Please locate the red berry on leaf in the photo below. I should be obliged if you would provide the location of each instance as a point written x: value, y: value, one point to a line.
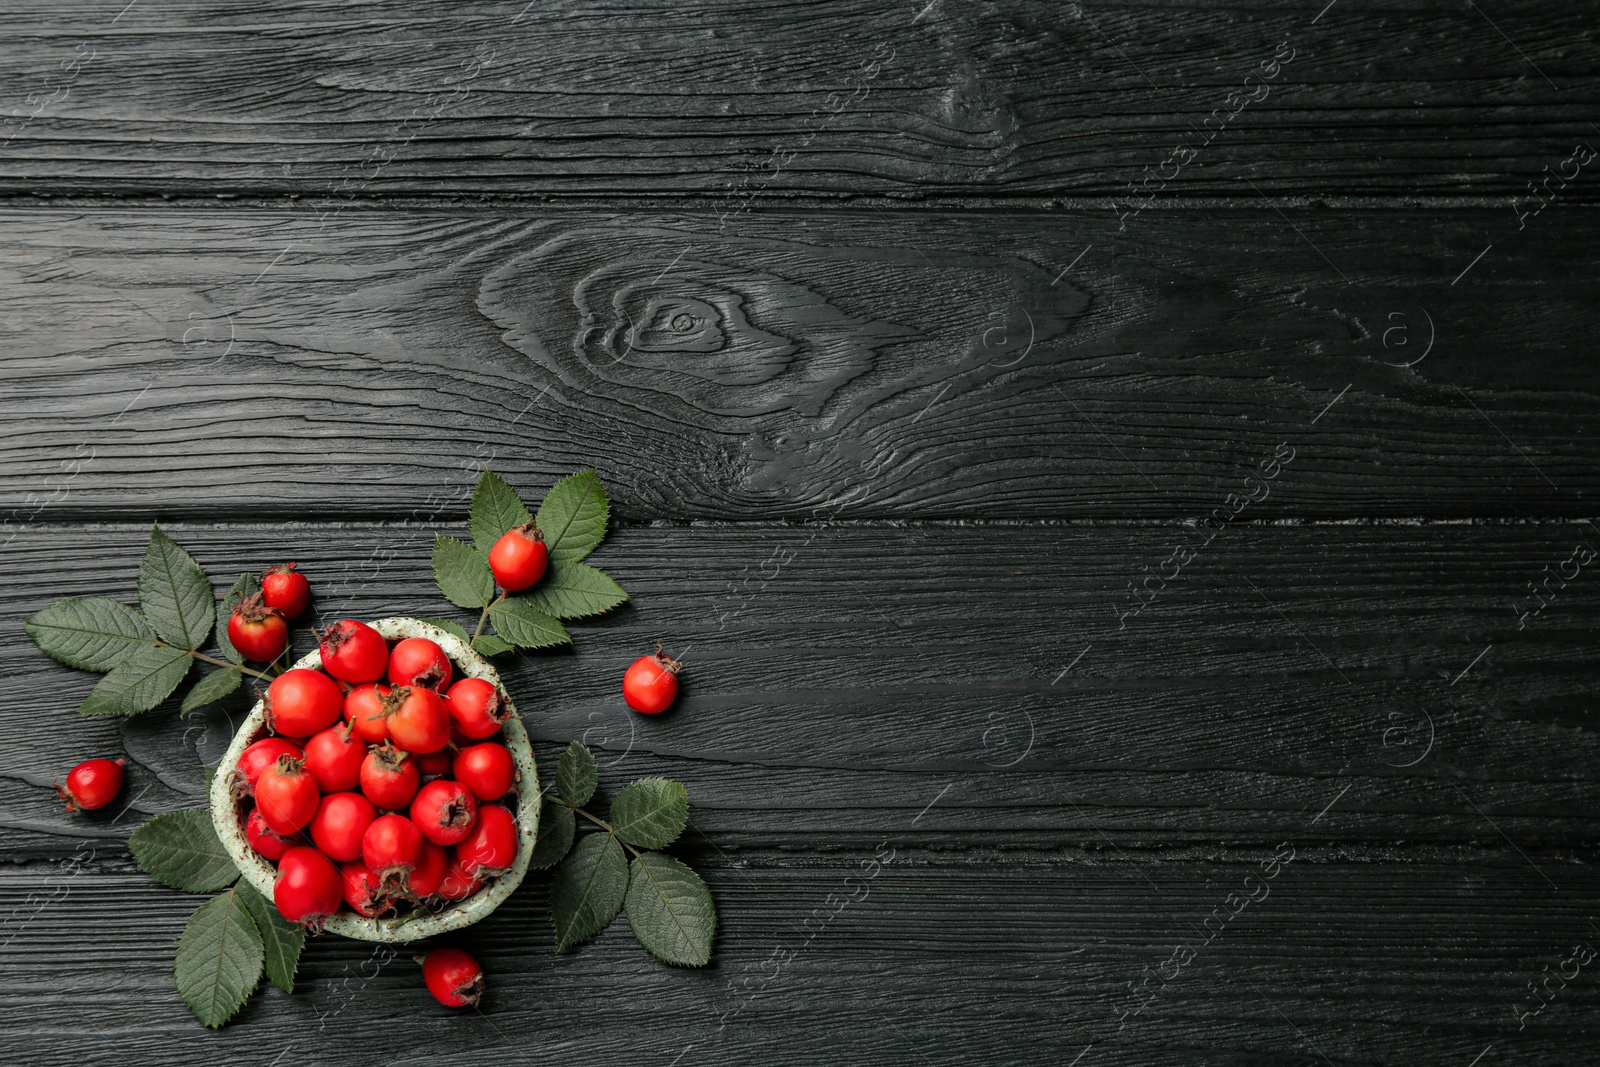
x: 286, y: 590
x: 417, y: 719
x: 341, y: 823
x: 389, y: 777
x: 453, y: 977
x: 353, y: 651
x: 444, y: 811
x: 487, y: 769
x: 476, y: 708
x: 257, y: 758
x: 309, y: 887
x: 363, y: 708
x: 519, y: 558
x: 334, y: 756
x: 257, y: 631
x: 300, y: 702
x: 92, y: 784
x: 287, y: 796
x: 417, y: 661
x: 651, y: 683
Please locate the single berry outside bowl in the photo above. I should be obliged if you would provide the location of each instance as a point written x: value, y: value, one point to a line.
x: 227, y: 813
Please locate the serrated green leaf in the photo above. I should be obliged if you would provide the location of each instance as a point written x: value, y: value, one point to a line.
x: 587, y: 889
x: 463, y: 575
x: 557, y: 827
x: 670, y: 910
x: 650, y: 812
x: 246, y: 585
x: 453, y: 628
x: 219, y: 960
x: 490, y: 645
x: 139, y: 682
x: 181, y: 849
x: 575, y: 591
x: 576, y: 774
x: 175, y: 593
x: 573, y: 517
x: 211, y: 688
x: 89, y: 632
x: 281, y: 939
x: 496, y: 508
x: 526, y: 626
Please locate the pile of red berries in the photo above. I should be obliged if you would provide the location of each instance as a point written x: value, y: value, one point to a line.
x: 381, y: 784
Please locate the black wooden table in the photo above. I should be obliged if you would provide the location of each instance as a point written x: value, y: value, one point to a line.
x: 1118, y: 472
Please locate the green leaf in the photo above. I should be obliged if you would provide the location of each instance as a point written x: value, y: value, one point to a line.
x: 573, y: 517
x: 650, y: 813
x: 587, y: 889
x: 139, y: 682
x: 464, y: 576
x: 220, y: 955
x: 175, y: 593
x: 181, y: 849
x: 575, y: 591
x: 670, y: 910
x: 243, y: 586
x: 496, y: 508
x: 211, y: 688
x: 576, y: 774
x: 281, y: 938
x: 208, y: 772
x: 526, y: 626
x: 490, y: 645
x: 453, y: 628
x: 89, y: 632
x: 557, y: 827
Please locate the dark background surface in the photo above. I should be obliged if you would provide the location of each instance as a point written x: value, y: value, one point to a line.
x: 285, y: 276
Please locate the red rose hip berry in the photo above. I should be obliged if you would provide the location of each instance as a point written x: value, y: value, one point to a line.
x: 340, y: 825
x: 431, y: 867
x: 435, y: 764
x: 444, y: 811
x: 257, y: 632
x: 309, y: 887
x: 263, y: 838
x: 286, y: 590
x: 353, y: 652
x: 420, y: 662
x: 300, y: 702
x: 519, y: 558
x: 417, y: 719
x: 476, y: 708
x: 453, y: 977
x: 257, y: 758
x: 487, y: 770
x: 389, y: 777
x: 651, y: 683
x: 392, y: 846
x: 363, y: 889
x: 287, y: 796
x: 92, y: 784
x: 334, y: 757
x: 363, y: 709
x: 492, y: 845
x: 459, y: 882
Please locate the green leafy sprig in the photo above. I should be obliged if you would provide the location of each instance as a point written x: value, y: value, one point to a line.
x: 669, y: 908
x: 572, y: 518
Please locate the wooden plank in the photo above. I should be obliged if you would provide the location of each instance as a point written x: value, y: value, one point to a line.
x: 1359, y: 685
x: 728, y: 100
x: 854, y: 364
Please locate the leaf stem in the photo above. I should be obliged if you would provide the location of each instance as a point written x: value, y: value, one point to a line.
x: 607, y: 827
x: 224, y: 663
x: 484, y: 618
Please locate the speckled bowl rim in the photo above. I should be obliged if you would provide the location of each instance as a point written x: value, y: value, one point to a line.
x: 227, y: 813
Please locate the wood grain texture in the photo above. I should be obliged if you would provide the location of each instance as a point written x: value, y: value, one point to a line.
x: 855, y: 364
x: 730, y: 100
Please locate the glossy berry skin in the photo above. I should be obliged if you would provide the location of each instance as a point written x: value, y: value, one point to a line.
x: 286, y: 590
x: 389, y: 777
x: 444, y: 811
x: 453, y: 977
x: 353, y: 652
x: 257, y: 632
x: 458, y: 882
x: 417, y: 719
x: 257, y: 758
x: 435, y: 764
x: 420, y: 662
x: 363, y: 889
x: 363, y: 710
x: 651, y: 683
x: 487, y: 770
x: 341, y: 823
x: 302, y: 701
x: 519, y: 558
x: 492, y: 845
x: 431, y: 867
x: 92, y: 784
x: 309, y: 887
x: 476, y: 708
x: 287, y: 796
x: 392, y: 846
x: 334, y: 757
x: 263, y: 839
